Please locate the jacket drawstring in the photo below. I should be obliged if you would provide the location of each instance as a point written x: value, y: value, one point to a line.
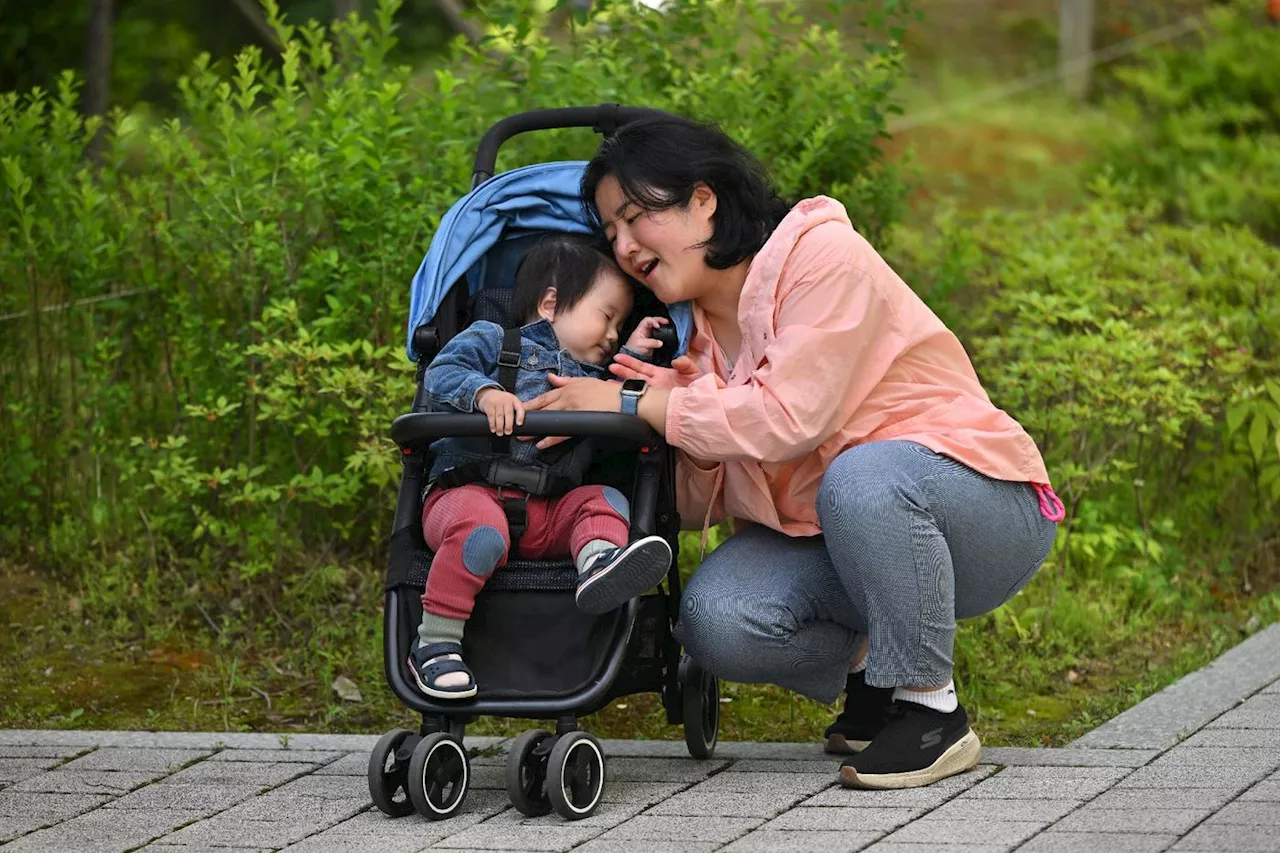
x: 706, y: 519
x: 1051, y: 506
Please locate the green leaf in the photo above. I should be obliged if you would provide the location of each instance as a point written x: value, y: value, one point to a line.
x: 1257, y: 435
x: 1235, y: 417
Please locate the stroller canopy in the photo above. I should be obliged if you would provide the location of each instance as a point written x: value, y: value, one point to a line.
x: 484, y: 234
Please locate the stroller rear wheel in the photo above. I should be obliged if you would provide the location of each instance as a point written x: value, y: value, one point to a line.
x: 527, y: 773
x: 387, y: 772
x: 439, y: 775
x: 575, y: 775
x: 700, y: 703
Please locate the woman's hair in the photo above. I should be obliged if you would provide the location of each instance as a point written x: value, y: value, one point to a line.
x: 566, y: 262
x: 658, y: 161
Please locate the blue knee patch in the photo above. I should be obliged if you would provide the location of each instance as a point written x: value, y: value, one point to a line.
x: 618, y: 502
x: 482, y: 550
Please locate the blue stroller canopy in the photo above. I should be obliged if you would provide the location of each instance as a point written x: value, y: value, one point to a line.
x: 484, y: 234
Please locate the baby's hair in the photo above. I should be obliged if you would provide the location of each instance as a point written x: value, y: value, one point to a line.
x: 569, y: 263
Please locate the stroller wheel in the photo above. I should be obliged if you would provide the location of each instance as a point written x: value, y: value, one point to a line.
x: 439, y: 774
x: 527, y: 773
x: 575, y: 775
x: 700, y: 701
x: 387, y: 772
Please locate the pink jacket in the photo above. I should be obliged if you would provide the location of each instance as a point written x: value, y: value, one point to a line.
x: 836, y: 351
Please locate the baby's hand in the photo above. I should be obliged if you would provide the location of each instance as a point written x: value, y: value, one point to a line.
x: 641, y: 339
x: 504, y: 409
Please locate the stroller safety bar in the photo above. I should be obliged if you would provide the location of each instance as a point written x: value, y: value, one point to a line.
x: 418, y: 428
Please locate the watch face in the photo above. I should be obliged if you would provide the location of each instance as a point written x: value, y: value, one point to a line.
x: 632, y: 386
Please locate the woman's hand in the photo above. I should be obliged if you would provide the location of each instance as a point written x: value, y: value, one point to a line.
x: 682, y: 371
x: 580, y: 394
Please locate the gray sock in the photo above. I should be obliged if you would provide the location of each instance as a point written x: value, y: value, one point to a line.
x: 595, y: 546
x: 440, y: 629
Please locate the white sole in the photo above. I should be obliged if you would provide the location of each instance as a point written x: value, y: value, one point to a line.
x: 959, y: 757
x: 642, y: 566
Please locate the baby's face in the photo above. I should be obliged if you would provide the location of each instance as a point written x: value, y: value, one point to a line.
x: 590, y: 329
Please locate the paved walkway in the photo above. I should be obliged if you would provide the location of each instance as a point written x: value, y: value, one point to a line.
x: 1192, y: 768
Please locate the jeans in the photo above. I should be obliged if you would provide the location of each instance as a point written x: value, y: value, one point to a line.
x: 911, y: 542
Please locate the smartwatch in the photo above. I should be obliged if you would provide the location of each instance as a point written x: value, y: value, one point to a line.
x: 632, y: 391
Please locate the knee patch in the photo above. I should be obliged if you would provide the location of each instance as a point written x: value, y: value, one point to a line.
x: 618, y: 502
x: 482, y: 550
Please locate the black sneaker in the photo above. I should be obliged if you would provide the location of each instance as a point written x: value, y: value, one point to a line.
x: 917, y: 747
x: 614, y: 577
x: 866, y: 710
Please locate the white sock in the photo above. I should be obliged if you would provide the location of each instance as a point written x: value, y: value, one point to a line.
x: 855, y: 668
x: 595, y: 546
x: 943, y: 699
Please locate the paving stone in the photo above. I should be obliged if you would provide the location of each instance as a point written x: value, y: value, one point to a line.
x: 1267, y: 791
x: 1107, y: 774
x: 660, y: 770
x: 1234, y: 738
x: 820, y: 766
x: 378, y: 832
x: 301, y: 812
x: 87, y: 781
x: 205, y: 798
x: 928, y: 830
x: 220, y: 832
x: 155, y: 761
x: 156, y: 847
x: 898, y: 847
x: 1185, y: 706
x: 651, y: 748
x: 53, y: 807
x: 240, y: 773
x: 1247, y: 814
x: 628, y: 845
x: 843, y: 819
x: 802, y: 783
x: 1035, y: 811
x: 1009, y: 756
x: 1165, y: 821
x: 1261, y: 702
x: 282, y: 756
x: 41, y: 751
x: 325, y: 788
x: 489, y: 776
x: 12, y: 827
x: 1193, y: 777
x: 1203, y: 800
x: 525, y: 838
x: 1032, y: 788
x: 18, y: 769
x: 1244, y: 718
x: 801, y: 841
x: 1110, y: 842
x: 1238, y: 839
x: 727, y: 803
x: 606, y: 816
x: 1205, y: 756
x: 662, y: 828
x: 641, y: 793
x: 351, y: 764
x: 738, y: 750
x: 103, y: 831
x: 918, y: 798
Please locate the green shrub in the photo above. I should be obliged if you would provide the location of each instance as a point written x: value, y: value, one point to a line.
x: 1142, y: 357
x: 1210, y: 148
x: 203, y: 339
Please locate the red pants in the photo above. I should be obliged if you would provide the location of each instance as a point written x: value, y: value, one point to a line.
x: 467, y: 530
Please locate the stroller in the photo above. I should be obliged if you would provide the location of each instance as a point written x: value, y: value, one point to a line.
x: 534, y: 654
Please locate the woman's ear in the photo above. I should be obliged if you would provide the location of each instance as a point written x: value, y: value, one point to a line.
x: 547, y: 304
x: 703, y: 199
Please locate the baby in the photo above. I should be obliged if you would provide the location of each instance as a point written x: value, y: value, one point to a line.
x: 573, y: 300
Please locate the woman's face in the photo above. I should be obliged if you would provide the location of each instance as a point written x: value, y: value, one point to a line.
x: 662, y: 249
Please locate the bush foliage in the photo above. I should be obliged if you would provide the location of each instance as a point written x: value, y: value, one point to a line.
x: 207, y: 353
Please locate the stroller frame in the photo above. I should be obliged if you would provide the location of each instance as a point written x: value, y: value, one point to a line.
x: 429, y: 771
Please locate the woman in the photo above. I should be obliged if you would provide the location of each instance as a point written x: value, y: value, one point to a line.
x: 823, y: 402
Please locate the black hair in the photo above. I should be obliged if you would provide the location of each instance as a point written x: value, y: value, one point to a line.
x: 569, y: 263
x: 659, y: 160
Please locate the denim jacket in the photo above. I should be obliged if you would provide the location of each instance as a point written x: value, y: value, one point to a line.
x: 469, y: 363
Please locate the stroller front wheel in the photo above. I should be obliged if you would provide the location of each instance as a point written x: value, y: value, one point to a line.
x: 527, y: 773
x: 575, y: 775
x: 439, y: 775
x: 387, y: 773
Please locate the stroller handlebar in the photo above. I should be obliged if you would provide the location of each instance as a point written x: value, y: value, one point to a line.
x: 605, y: 118
x: 418, y: 428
